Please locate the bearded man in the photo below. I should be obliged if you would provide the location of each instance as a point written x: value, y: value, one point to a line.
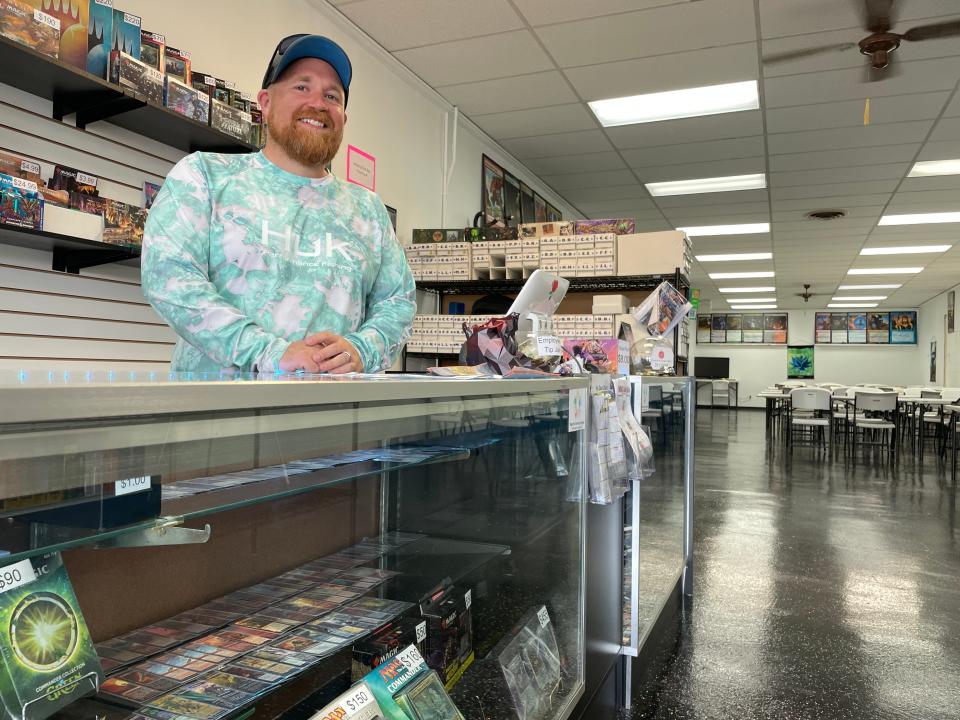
x: 266, y: 262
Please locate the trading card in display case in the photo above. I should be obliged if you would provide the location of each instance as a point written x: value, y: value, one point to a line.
x: 23, y: 23
x: 48, y: 657
x: 428, y: 700
x: 151, y: 49
x: 188, y: 101
x: 230, y: 121
x: 134, y: 75
x: 20, y: 203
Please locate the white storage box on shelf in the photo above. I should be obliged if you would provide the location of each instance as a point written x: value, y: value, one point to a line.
x: 655, y: 253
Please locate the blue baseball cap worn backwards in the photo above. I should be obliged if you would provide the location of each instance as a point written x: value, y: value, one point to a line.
x: 297, y: 47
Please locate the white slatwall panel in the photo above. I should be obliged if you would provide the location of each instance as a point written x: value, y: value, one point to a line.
x: 98, y: 319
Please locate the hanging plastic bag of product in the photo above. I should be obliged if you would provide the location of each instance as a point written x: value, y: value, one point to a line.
x: 657, y: 316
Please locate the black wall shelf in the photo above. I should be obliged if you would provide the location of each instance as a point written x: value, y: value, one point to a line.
x: 77, y: 92
x: 70, y: 254
x: 577, y: 284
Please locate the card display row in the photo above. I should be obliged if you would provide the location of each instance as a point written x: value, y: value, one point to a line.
x: 770, y: 328
x: 898, y: 327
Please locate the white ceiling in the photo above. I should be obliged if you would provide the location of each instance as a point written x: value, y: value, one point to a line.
x: 523, y: 70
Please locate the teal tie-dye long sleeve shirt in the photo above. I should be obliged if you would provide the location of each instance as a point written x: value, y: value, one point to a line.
x: 242, y: 258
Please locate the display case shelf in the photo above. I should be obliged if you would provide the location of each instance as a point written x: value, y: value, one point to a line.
x: 76, y: 92
x: 70, y: 254
x: 577, y: 284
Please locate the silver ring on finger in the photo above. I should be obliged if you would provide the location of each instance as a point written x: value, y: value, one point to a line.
x: 347, y: 355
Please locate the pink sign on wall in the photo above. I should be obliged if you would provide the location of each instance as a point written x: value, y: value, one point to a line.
x: 361, y: 168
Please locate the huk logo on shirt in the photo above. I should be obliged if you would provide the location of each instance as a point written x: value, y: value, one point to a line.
x: 293, y: 248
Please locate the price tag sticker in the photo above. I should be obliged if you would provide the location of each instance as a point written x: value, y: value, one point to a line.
x: 13, y: 576
x: 421, y: 632
x: 131, y: 485
x: 210, y: 80
x: 411, y: 659
x: 549, y: 345
x: 357, y: 703
x: 468, y: 598
x: 29, y: 167
x: 543, y: 616
x: 131, y: 19
x: 153, y: 74
x: 85, y: 179
x: 49, y: 20
x: 24, y: 184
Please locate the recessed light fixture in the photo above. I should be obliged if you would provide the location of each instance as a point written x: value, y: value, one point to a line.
x: 755, y: 307
x: 891, y: 286
x: 746, y: 229
x: 920, y: 218
x: 675, y: 104
x: 748, y: 289
x: 884, y: 271
x: 906, y: 250
x: 741, y: 301
x: 929, y: 168
x: 735, y: 256
x: 736, y: 275
x: 859, y: 297
x: 731, y: 183
x: 852, y: 305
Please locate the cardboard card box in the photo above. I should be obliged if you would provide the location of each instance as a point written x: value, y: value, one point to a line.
x: 530, y: 242
x: 585, y: 252
x: 605, y: 252
x: 531, y: 256
x: 126, y: 33
x: 177, y: 63
x: 230, y: 121
x: 21, y: 203
x: 128, y: 72
x: 21, y: 22
x: 152, y: 46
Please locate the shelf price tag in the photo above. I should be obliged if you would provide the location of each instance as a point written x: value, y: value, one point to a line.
x: 43, y: 18
x: 411, y: 659
x: 131, y: 485
x: 421, y: 632
x: 468, y: 598
x: 543, y: 616
x: 13, y: 576
x: 87, y: 179
x: 356, y: 704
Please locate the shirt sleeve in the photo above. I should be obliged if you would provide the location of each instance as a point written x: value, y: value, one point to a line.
x: 176, y: 280
x: 390, y: 305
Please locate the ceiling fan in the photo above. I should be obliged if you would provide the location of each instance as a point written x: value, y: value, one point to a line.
x: 877, y: 17
x: 806, y: 294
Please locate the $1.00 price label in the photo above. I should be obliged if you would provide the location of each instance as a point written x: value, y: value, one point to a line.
x: 13, y: 576
x: 131, y: 485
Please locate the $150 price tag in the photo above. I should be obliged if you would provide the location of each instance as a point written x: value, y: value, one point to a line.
x: 13, y: 576
x: 358, y: 699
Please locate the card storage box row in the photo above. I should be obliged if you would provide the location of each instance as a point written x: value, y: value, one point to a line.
x: 444, y: 333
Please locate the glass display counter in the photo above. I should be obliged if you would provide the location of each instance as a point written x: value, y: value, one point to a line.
x: 250, y: 547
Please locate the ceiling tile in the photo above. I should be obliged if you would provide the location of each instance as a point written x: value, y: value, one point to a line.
x: 635, y: 192
x: 870, y: 211
x: 576, y: 181
x: 669, y: 29
x: 919, y: 76
x: 944, y: 197
x: 944, y: 150
x: 718, y: 211
x: 475, y: 59
x: 839, y: 175
x: 788, y: 17
x: 694, y: 152
x: 717, y: 168
x: 921, y: 184
x: 844, y: 138
x: 946, y: 129
x: 574, y: 143
x: 723, y: 198
x: 507, y: 94
x: 712, y: 66
x: 544, y: 12
x: 620, y: 208
x: 806, y: 204
x: 413, y: 23
x: 670, y: 132
x: 682, y: 219
x: 537, y: 121
x: 849, y: 113
x: 844, y: 158
x: 576, y: 163
x: 953, y: 109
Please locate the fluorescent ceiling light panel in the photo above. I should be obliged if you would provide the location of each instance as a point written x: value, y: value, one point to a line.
x: 755, y: 307
x: 920, y: 218
x: 735, y: 256
x: 859, y: 297
x: 706, y: 230
x: 852, y: 305
x: 906, y: 250
x: 884, y: 271
x: 736, y: 275
x: 730, y: 183
x: 740, y: 301
x: 748, y: 289
x: 892, y: 286
x: 929, y: 168
x: 674, y: 104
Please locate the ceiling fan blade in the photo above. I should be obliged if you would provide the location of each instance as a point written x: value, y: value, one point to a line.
x: 877, y: 16
x: 951, y: 28
x: 797, y: 54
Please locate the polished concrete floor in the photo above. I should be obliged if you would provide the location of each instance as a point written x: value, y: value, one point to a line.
x: 822, y: 589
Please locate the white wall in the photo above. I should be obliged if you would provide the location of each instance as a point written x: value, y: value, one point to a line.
x: 99, y: 318
x: 757, y: 367
x: 933, y: 327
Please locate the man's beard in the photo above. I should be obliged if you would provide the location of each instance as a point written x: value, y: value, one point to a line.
x: 305, y: 145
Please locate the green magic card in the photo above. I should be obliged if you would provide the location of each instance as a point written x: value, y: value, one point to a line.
x: 48, y: 657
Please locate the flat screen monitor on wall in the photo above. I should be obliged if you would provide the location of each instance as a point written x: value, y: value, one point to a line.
x: 711, y: 367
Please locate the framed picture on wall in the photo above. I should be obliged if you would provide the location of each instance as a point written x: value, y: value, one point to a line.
x: 753, y: 328
x: 492, y: 200
x: 734, y: 329
x: 718, y: 328
x: 799, y: 362
x: 539, y: 208
x: 878, y: 328
x: 903, y: 327
x: 933, y: 361
x: 775, y: 329
x: 527, y: 213
x: 951, y: 304
x: 703, y: 328
x: 511, y: 200
x: 838, y: 328
x: 856, y: 327
x: 553, y: 215
x: 821, y: 325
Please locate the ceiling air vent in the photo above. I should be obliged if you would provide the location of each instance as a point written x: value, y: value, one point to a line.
x: 826, y: 214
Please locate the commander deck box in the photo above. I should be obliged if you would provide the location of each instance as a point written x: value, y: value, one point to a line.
x: 134, y: 75
x: 188, y: 101
x: 230, y: 121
